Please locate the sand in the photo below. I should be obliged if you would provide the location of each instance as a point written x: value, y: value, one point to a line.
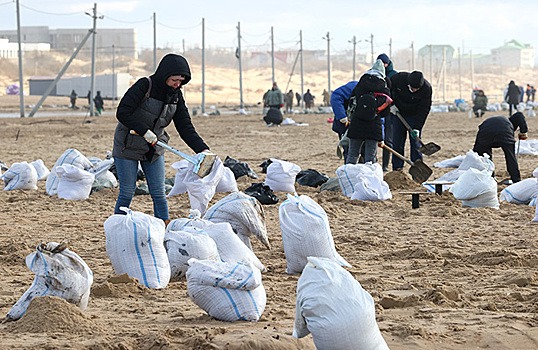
x: 442, y: 276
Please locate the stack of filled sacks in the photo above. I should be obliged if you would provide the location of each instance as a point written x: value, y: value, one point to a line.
x: 135, y: 246
x: 476, y: 189
x: 281, y: 175
x: 305, y: 232
x: 470, y: 160
x: 363, y: 182
x: 244, y: 213
x: 58, y: 272
x: 335, y: 309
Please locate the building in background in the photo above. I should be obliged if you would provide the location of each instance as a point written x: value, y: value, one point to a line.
x: 513, y: 54
x: 11, y: 49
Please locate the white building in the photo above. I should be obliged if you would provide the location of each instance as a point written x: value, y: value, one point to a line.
x: 11, y: 49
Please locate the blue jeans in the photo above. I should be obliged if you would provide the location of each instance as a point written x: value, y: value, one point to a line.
x: 354, y: 152
x: 127, y: 170
x: 399, y: 134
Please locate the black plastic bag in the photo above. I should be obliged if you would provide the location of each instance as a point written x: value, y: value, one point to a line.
x: 239, y: 168
x: 263, y: 193
x: 265, y: 164
x: 311, y: 177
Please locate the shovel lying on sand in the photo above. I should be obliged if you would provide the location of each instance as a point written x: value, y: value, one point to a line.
x: 419, y: 171
x: 203, y: 162
x: 428, y: 148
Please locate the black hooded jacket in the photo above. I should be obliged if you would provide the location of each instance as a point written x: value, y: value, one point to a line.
x: 414, y: 107
x: 497, y: 131
x: 163, y: 105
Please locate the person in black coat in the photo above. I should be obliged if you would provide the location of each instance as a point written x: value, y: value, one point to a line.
x: 512, y: 96
x: 498, y: 132
x: 365, y: 129
x: 412, y: 95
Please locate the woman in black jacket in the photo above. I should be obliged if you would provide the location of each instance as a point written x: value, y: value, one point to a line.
x: 512, y: 96
x: 147, y: 107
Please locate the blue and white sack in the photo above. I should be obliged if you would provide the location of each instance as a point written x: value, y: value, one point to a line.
x: 305, y: 232
x: 522, y: 192
x: 135, y: 246
x: 70, y: 156
x: 20, y: 176
x: 332, y: 306
x: 58, y: 272
x: 227, y: 291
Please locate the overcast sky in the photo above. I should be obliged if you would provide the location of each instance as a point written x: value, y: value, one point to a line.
x: 477, y: 25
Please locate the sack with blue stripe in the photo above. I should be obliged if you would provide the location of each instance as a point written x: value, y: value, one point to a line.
x: 70, y: 156
x: 135, y: 246
x: 227, y: 291
x: 59, y: 272
x: 20, y: 176
x: 522, y: 192
x: 305, y: 232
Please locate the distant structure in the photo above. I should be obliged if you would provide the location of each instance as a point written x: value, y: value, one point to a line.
x: 11, y: 49
x: 513, y: 54
x: 124, y: 40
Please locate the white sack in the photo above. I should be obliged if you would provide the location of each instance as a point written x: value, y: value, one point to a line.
x: 20, y: 176
x: 369, y: 184
x: 348, y: 176
x: 521, y: 192
x: 42, y: 171
x: 535, y: 173
x: 62, y: 274
x: 70, y: 156
x: 476, y: 189
x: 535, y: 219
x: 135, y: 246
x: 305, y: 232
x: 74, y: 183
x: 333, y: 306
x: 202, y: 189
x: 244, y: 213
x: 227, y: 182
x: 181, y: 171
x: 187, y: 244
x: 453, y: 162
x: 194, y: 220
x: 281, y: 176
x: 226, y: 291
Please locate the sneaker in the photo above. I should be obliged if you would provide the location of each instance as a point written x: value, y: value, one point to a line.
x: 270, y: 124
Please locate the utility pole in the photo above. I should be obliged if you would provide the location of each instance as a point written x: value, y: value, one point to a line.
x: 154, y: 41
x: 302, y: 65
x: 203, y: 65
x: 412, y: 55
x: 459, y: 71
x: 390, y: 47
x: 354, y: 42
x: 21, y: 79
x: 372, y: 46
x: 472, y: 73
x: 444, y: 73
x: 328, y: 61
x: 113, y: 76
x: 238, y: 55
x: 92, y: 86
x: 431, y: 62
x: 273, y: 57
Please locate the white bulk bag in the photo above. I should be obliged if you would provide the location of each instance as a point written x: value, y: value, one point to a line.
x: 335, y: 309
x: 74, y: 183
x: 42, y: 171
x: 347, y: 177
x: 135, y: 246
x: 194, y: 220
x: 181, y: 170
x: 305, y: 232
x: 226, y: 291
x: 20, y: 176
x: 244, y: 213
x: 281, y: 175
x: 476, y: 189
x: 521, y: 192
x: 58, y: 272
x: 227, y: 182
x: 202, y: 189
x: 369, y: 185
x: 477, y: 161
x: 70, y: 156
x: 453, y: 162
x: 186, y: 244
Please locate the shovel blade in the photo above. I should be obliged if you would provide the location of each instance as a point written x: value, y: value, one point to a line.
x: 204, y: 163
x: 429, y: 148
x: 420, y: 172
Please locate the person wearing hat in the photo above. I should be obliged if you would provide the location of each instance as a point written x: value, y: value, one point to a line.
x: 412, y: 95
x: 371, y: 103
x: 498, y: 132
x: 388, y: 121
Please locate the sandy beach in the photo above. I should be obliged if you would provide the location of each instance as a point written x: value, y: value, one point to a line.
x: 443, y: 276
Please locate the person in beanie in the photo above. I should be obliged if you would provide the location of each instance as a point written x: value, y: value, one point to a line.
x: 412, y: 95
x: 498, y: 132
x: 512, y: 96
x: 388, y: 121
x: 147, y: 108
x: 365, y: 130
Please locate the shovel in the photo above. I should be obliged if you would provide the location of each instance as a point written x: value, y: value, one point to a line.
x: 419, y: 171
x: 203, y: 162
x: 428, y: 148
